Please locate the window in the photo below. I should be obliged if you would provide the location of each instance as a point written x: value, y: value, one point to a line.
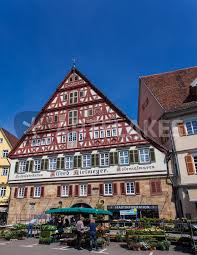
x: 63, y: 138
x: 108, y: 189
x: 65, y: 97
x: 144, y: 155
x: 48, y: 140
x: 96, y: 134
x: 80, y: 137
x: 123, y: 157
x: 5, y: 171
x: 108, y: 133
x: 155, y: 187
x: 21, y: 192
x: 82, y: 93
x: 104, y: 159
x: 5, y: 153
x: 73, y: 97
x: 1, y: 140
x: 114, y: 132
x: 72, y: 137
x: 191, y: 127
x: 130, y: 188
x: 64, y: 191
x: 37, y: 165
x: 2, y: 191
x: 52, y: 164
x: 43, y: 141
x: 195, y: 161
x: 86, y: 160
x: 55, y: 118
x: 73, y: 117
x: 69, y: 162
x: 22, y: 166
x: 89, y: 112
x: 37, y: 191
x: 83, y: 190
x: 102, y: 134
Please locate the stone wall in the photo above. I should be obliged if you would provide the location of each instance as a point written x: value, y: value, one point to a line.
x: 22, y: 210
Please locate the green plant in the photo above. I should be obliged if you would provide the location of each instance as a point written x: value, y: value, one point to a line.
x: 45, y: 240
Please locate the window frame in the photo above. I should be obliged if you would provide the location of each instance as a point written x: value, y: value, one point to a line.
x: 36, y: 193
x: 112, y: 132
x: 139, y: 154
x: 130, y: 193
x: 71, y: 135
x: 22, y: 165
x: 5, y: 153
x: 194, y: 155
x: 73, y: 97
x: 36, y: 165
x: 101, y: 154
x: 3, y: 190
x: 123, y: 156
x: 52, y: 164
x: 192, y: 126
x: 70, y: 162
x: 96, y: 136
x: 64, y: 191
x: 108, y: 189
x: 5, y: 169
x: 19, y: 193
x: 87, y: 160
x: 72, y: 119
x: 84, y: 190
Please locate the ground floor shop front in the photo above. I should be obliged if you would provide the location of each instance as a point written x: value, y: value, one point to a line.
x: 146, y: 199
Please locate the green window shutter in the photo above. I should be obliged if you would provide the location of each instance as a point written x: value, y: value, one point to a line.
x: 116, y: 158
x: 16, y: 167
x: 42, y: 164
x: 46, y: 164
x: 75, y: 161
x: 79, y: 161
x: 111, y: 158
x: 58, y: 163
x: 31, y: 165
x: 62, y: 163
x: 93, y: 160
x: 152, y: 154
x: 97, y: 159
x: 136, y: 156
x: 132, y: 160
x: 27, y: 166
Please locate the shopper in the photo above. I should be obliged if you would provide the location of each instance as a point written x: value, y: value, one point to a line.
x: 92, y: 232
x: 80, y: 230
x: 30, y: 227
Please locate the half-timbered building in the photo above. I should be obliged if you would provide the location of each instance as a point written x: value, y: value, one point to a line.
x: 82, y: 150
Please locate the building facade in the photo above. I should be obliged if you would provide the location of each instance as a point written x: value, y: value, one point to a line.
x: 83, y: 151
x: 7, y: 142
x: 168, y: 104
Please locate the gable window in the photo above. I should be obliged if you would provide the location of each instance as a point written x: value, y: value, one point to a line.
x: 69, y: 162
x: 73, y: 97
x: 123, y: 157
x: 5, y: 153
x: 87, y: 161
x: 1, y: 140
x: 80, y: 137
x: 64, y: 191
x: 37, y: 165
x: 104, y: 159
x: 22, y: 166
x: 191, y: 127
x: 2, y: 191
x: 82, y: 190
x: 72, y: 137
x: 130, y: 188
x: 96, y: 134
x: 114, y: 132
x: 73, y: 117
x: 102, y: 134
x: 108, y: 133
x: 21, y: 192
x: 55, y: 118
x: 82, y: 93
x: 43, y: 141
x: 65, y: 97
x: 63, y: 138
x: 34, y: 142
x: 108, y: 191
x: 5, y: 171
x: 52, y: 164
x: 144, y: 155
x: 48, y: 140
x: 37, y: 191
x: 89, y: 112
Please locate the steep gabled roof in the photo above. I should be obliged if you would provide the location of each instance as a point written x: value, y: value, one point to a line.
x: 12, y: 140
x: 172, y: 89
x: 113, y: 106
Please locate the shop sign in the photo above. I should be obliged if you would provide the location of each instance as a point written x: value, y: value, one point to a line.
x: 131, y: 207
x: 128, y: 212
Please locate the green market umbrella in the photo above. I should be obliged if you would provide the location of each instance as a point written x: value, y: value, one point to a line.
x: 78, y: 210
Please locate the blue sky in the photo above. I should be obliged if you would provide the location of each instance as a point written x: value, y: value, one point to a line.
x: 113, y: 41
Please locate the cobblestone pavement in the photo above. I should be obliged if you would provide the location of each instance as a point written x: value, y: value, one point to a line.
x: 31, y: 247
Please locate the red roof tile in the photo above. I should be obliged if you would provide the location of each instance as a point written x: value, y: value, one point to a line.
x: 10, y: 137
x: 172, y: 89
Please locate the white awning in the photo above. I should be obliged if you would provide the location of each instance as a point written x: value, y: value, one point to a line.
x: 192, y: 195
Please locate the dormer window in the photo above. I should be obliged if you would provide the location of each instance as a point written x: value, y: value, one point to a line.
x: 193, y: 88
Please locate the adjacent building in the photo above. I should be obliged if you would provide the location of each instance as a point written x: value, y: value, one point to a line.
x: 84, y: 151
x: 7, y: 142
x: 168, y: 113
